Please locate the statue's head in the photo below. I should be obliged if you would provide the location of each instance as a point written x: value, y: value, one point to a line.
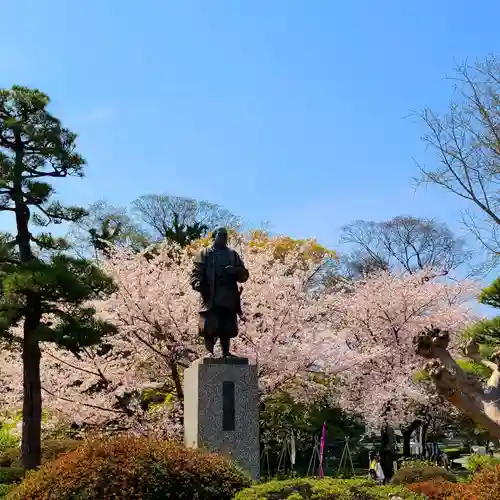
x: 220, y: 237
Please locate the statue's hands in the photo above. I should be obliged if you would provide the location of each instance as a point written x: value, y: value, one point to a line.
x: 231, y: 270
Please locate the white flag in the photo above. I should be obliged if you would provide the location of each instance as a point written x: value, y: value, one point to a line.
x: 292, y: 449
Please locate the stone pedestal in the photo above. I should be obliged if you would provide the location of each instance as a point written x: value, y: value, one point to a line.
x: 221, y: 409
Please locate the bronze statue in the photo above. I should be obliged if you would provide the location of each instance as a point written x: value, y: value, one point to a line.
x: 216, y: 273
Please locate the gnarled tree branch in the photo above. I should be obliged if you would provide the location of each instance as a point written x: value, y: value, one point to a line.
x: 481, y: 402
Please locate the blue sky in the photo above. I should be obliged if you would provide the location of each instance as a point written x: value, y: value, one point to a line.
x: 293, y: 112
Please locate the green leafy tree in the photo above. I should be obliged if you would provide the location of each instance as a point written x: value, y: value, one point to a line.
x: 281, y: 416
x: 44, y: 291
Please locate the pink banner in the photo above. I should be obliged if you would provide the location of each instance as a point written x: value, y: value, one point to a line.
x: 321, y: 472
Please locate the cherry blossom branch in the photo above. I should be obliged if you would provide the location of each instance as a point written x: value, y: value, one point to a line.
x: 70, y: 365
x: 88, y: 405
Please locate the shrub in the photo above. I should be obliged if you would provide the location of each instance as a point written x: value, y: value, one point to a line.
x: 7, y: 439
x: 422, y: 472
x: 4, y: 489
x: 10, y: 475
x: 324, y: 489
x: 437, y: 489
x: 409, y: 462
x: 50, y: 449
x: 476, y: 462
x: 133, y: 468
x: 486, y: 484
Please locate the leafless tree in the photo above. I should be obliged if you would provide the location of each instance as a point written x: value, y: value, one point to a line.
x: 164, y: 215
x: 466, y: 141
x: 404, y: 242
x: 105, y: 224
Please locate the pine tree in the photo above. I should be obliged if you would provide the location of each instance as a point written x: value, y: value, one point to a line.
x: 44, y: 293
x: 487, y: 331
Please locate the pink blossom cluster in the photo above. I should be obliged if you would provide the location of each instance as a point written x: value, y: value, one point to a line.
x: 362, y: 333
x: 285, y: 329
x: 385, y: 313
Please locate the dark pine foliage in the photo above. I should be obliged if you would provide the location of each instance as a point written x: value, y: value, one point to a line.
x: 43, y: 291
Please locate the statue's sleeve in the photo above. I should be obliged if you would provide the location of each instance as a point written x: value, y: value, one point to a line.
x: 198, y: 271
x: 241, y: 271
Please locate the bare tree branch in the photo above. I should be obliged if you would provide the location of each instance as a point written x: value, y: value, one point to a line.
x: 408, y: 243
x: 466, y: 141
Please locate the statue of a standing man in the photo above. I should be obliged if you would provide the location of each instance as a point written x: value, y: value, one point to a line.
x: 216, y: 273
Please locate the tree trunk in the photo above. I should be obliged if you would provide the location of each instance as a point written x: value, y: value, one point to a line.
x: 177, y: 382
x: 32, y: 401
x: 32, y: 391
x: 387, y: 452
x: 407, y: 433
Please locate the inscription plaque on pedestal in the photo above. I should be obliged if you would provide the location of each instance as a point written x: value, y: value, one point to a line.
x: 228, y: 408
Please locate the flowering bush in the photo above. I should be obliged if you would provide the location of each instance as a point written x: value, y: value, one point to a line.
x: 133, y: 468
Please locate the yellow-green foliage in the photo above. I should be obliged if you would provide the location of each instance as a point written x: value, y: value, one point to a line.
x: 420, y: 376
x: 475, y: 368
x: 467, y: 365
x: 206, y: 241
x: 4, y: 489
x: 324, y: 489
x: 475, y: 463
x: 309, y: 249
x: 491, y: 294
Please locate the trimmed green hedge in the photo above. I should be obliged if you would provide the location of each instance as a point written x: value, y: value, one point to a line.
x: 324, y: 489
x: 421, y: 472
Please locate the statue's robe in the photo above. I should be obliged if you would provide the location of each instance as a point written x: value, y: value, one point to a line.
x: 219, y: 291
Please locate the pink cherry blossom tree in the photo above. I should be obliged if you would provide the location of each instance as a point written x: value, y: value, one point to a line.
x: 387, y: 312
x: 287, y: 328
x: 362, y: 332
